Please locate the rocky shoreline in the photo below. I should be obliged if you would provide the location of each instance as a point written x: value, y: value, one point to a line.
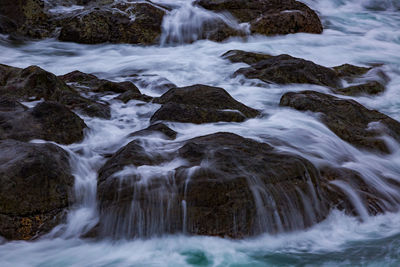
x: 231, y: 186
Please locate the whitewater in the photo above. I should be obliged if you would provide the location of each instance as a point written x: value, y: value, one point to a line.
x: 359, y: 32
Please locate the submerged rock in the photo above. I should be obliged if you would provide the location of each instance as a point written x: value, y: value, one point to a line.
x: 89, y: 82
x: 131, y: 95
x: 160, y: 128
x: 250, y: 58
x: 369, y: 88
x: 350, y: 71
x: 269, y: 17
x: 47, y: 120
x: 154, y: 82
x: 35, y: 188
x: 346, y: 118
x: 201, y: 104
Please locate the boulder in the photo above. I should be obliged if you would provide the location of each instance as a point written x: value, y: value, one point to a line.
x: 25, y: 17
x: 136, y: 23
x: 35, y: 188
x: 226, y: 186
x: 31, y: 83
x: 285, y: 69
x: 194, y: 114
x: 245, y: 188
x: 34, y: 83
x: 48, y: 120
x: 201, y: 104
x: 348, y: 119
x: 269, y: 17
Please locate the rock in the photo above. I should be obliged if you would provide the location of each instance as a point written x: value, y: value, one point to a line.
x: 89, y: 82
x: 245, y: 188
x: 348, y: 119
x: 35, y: 188
x: 206, y: 97
x: 285, y: 69
x: 194, y: 114
x: 373, y: 199
x: 86, y: 106
x: 48, y: 120
x: 350, y: 71
x: 34, y: 83
x: 7, y: 26
x: 25, y: 17
x: 136, y: 23
x: 132, y: 154
x: 58, y: 123
x: 201, y: 104
x: 159, y: 128
x: 226, y: 186
x: 269, y: 17
x: 31, y: 83
x: 369, y: 88
x: 131, y: 95
x: 250, y: 58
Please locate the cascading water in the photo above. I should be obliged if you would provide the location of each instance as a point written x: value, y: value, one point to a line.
x: 189, y: 23
x: 356, y: 32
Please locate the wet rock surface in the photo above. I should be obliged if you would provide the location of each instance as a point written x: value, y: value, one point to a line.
x: 227, y: 186
x: 285, y: 69
x: 35, y: 188
x: 34, y: 83
x: 250, y: 58
x: 89, y: 82
x: 48, y: 120
x: 348, y: 119
x: 219, y: 200
x: 135, y: 23
x: 201, y: 104
x: 369, y: 88
x: 160, y: 128
x: 25, y: 17
x: 31, y: 83
x: 269, y: 17
x: 350, y: 71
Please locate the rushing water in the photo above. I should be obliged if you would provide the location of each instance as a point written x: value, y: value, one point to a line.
x: 361, y: 32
